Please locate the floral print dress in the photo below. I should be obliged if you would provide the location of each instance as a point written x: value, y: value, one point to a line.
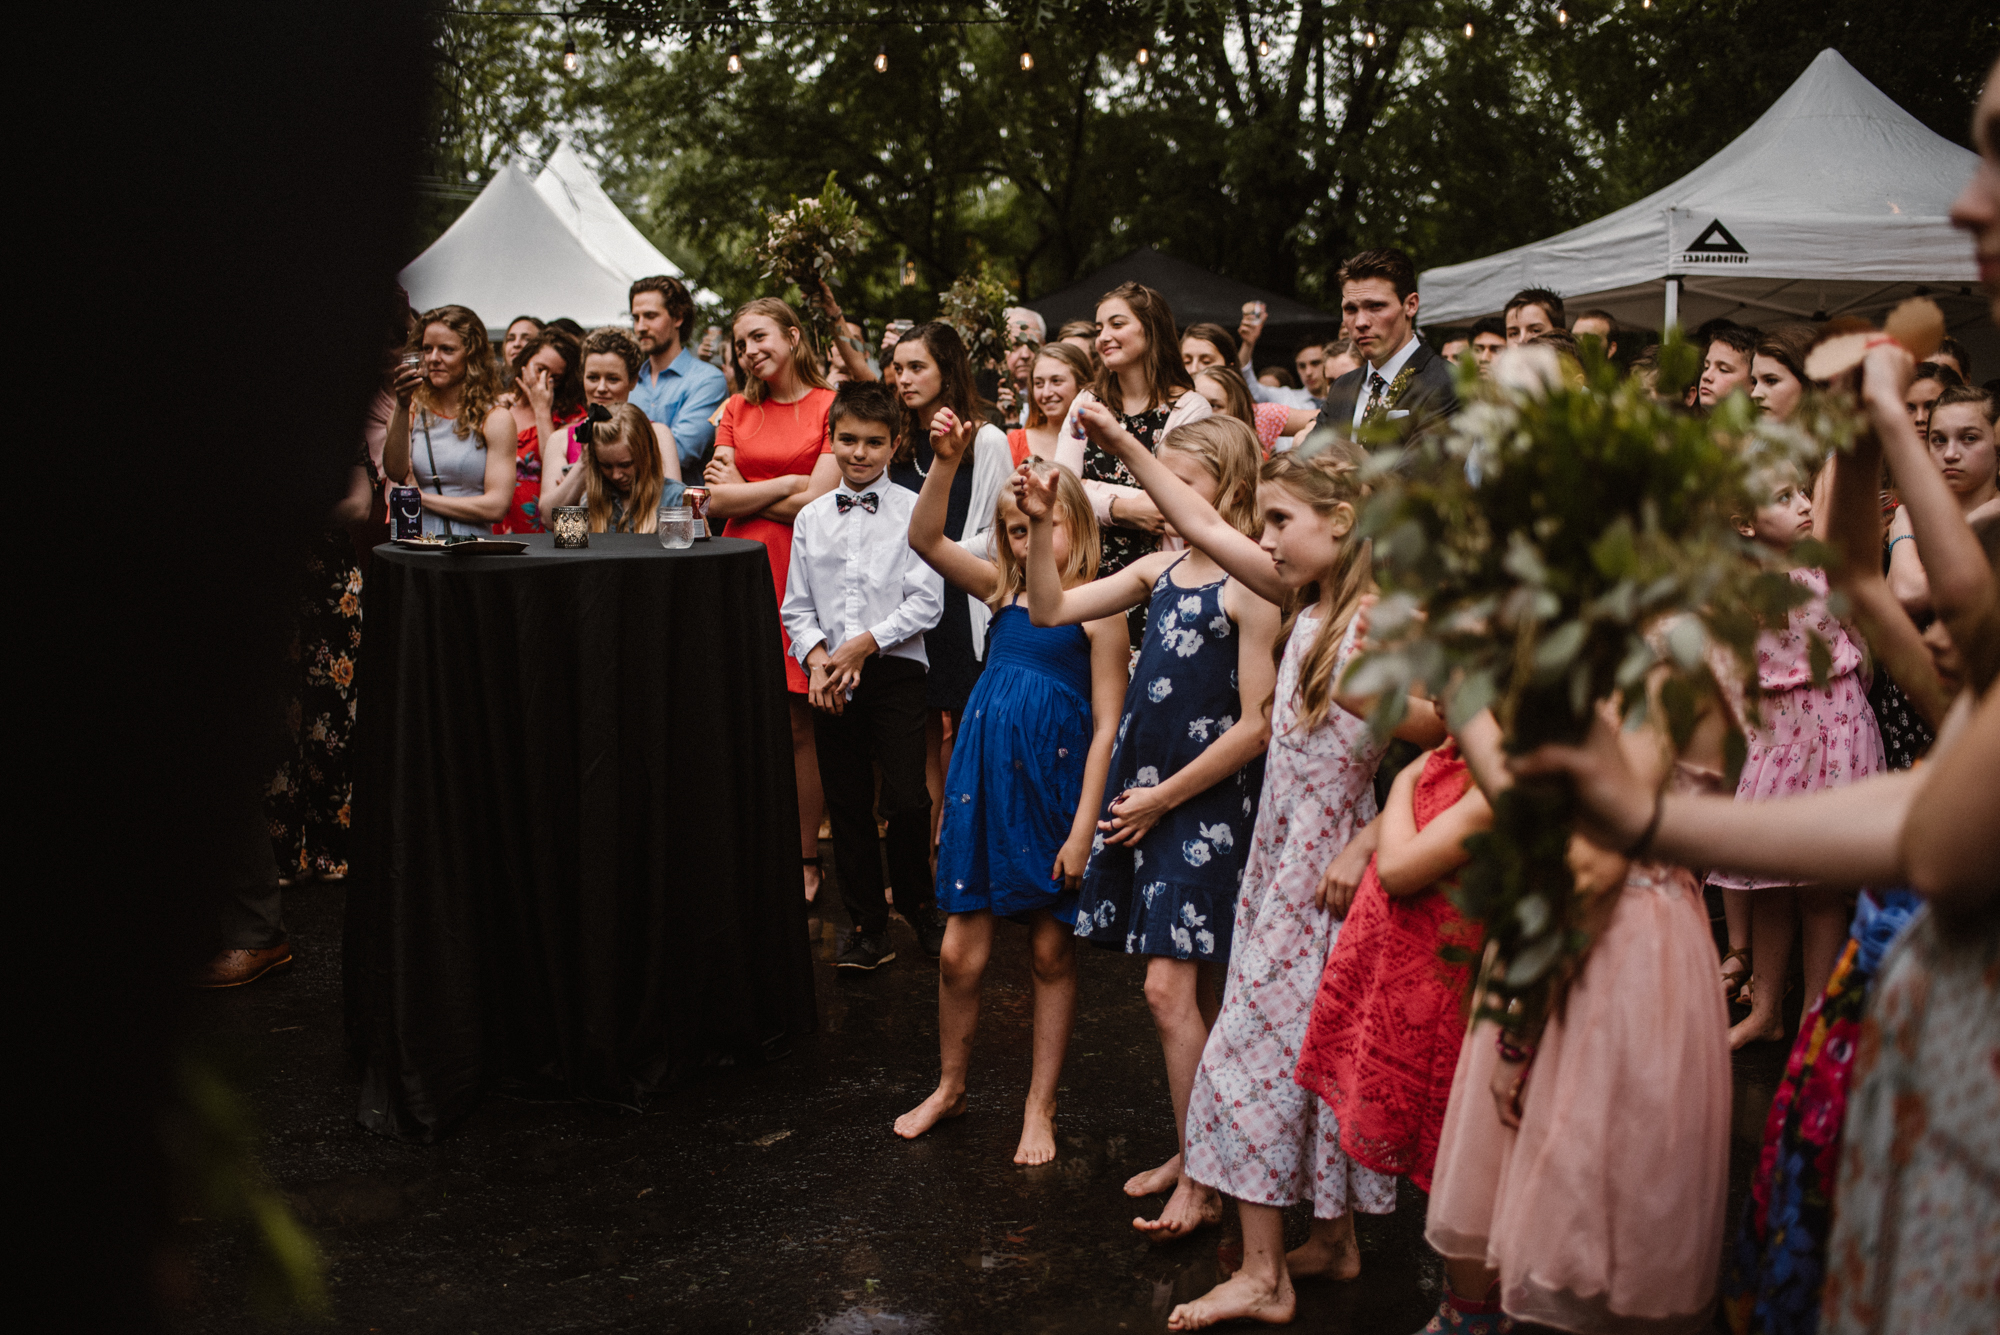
x: 1175, y: 893
x: 1252, y: 1131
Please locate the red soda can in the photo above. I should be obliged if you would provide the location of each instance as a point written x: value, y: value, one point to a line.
x: 696, y: 499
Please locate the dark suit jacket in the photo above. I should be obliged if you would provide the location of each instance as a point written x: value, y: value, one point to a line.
x: 1428, y: 398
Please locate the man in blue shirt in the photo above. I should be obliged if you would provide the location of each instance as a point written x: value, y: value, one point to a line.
x: 676, y: 388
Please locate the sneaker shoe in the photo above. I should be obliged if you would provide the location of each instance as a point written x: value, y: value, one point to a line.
x: 930, y: 935
x: 861, y: 951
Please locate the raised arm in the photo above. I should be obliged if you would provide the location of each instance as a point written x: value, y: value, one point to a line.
x: 396, y: 440
x: 1961, y: 582
x: 1192, y: 517
x: 950, y: 439
x: 1854, y: 529
x: 1950, y: 844
x: 1049, y: 603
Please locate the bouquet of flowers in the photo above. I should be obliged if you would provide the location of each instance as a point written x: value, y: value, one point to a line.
x: 807, y: 243
x: 1562, y: 539
x: 976, y: 306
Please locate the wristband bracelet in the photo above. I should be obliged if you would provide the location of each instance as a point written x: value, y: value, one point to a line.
x: 1900, y: 537
x: 1645, y: 839
x: 1111, y: 509
x: 1511, y: 1051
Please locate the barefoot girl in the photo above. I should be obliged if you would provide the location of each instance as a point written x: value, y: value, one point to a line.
x: 1026, y: 778
x: 1164, y: 876
x: 1252, y: 1131
x: 1809, y: 738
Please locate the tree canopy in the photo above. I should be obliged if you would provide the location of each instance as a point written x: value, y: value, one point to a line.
x: 1263, y: 140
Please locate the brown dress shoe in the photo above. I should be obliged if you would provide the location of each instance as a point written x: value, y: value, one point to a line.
x: 233, y: 968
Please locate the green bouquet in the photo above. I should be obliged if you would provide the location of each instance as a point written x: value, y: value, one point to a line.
x: 976, y: 306
x: 1564, y: 536
x: 807, y: 243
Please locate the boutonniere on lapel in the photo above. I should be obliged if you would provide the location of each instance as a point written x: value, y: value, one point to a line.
x: 1395, y: 391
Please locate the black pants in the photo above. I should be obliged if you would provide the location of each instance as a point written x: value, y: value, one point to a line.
x: 882, y: 725
x: 251, y: 904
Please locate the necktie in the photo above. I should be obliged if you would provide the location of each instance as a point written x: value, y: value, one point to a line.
x: 867, y: 500
x: 1376, y: 388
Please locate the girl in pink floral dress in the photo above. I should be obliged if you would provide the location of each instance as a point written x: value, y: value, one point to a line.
x: 1808, y: 737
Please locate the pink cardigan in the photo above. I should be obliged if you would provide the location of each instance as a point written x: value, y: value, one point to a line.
x: 1189, y: 407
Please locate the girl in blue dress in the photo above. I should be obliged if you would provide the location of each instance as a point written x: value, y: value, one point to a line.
x: 1026, y: 776
x: 1187, y: 767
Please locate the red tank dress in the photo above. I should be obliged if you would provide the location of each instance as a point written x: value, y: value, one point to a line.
x: 1383, y: 1041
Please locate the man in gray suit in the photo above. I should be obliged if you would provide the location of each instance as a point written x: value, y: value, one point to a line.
x: 1400, y: 380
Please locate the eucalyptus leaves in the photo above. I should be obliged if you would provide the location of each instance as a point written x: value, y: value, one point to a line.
x: 976, y: 306
x: 808, y: 242
x: 1564, y: 536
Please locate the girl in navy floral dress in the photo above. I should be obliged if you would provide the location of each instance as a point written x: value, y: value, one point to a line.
x: 1181, y: 797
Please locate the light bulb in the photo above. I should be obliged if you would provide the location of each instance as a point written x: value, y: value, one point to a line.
x: 1562, y: 18
x: 569, y: 56
x: 882, y: 59
x: 1027, y: 60
x: 735, y: 62
x: 1468, y: 30
x: 1263, y: 44
x: 1368, y: 39
x: 1144, y: 54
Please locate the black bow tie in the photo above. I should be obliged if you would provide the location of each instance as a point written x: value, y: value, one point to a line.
x: 867, y: 500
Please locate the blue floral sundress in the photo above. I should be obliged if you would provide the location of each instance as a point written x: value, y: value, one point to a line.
x: 1175, y: 894
x: 1016, y: 773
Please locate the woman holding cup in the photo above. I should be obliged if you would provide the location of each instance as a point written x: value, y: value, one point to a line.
x: 448, y: 436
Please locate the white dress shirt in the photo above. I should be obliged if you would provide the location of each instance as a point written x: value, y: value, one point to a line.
x: 856, y: 572
x: 1388, y: 371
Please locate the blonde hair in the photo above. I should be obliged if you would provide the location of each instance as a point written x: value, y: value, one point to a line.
x: 805, y: 356
x: 479, y: 395
x: 1080, y: 367
x: 1325, y: 478
x: 1232, y: 452
x: 628, y: 427
x: 1011, y: 577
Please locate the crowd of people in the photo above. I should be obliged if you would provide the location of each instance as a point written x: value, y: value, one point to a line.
x: 1067, y: 647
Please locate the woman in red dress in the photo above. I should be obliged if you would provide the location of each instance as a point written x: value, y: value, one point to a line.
x: 771, y: 457
x: 548, y: 396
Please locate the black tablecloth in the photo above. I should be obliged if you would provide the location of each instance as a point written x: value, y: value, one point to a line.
x: 575, y: 864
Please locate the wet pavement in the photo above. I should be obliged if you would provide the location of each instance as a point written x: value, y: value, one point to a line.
x: 773, y: 1198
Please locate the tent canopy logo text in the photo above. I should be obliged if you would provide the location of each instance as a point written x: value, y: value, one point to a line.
x: 1715, y: 246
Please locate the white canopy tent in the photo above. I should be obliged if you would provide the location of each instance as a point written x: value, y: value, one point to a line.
x: 510, y: 254
x: 1834, y: 202
x: 569, y: 187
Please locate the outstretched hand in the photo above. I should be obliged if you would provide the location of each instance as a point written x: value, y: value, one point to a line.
x: 951, y: 438
x: 1615, y: 801
x: 1034, y: 493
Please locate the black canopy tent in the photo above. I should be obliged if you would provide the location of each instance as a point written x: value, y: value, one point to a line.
x: 1197, y: 296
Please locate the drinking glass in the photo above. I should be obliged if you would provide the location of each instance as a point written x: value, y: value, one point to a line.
x: 676, y: 527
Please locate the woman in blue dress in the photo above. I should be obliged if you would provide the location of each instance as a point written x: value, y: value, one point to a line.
x: 1027, y: 774
x: 1188, y: 764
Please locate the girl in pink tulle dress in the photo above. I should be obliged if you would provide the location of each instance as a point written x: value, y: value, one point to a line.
x: 1806, y: 738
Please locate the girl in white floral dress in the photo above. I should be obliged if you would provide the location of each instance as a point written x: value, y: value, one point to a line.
x: 1174, y: 830
x: 1252, y: 1132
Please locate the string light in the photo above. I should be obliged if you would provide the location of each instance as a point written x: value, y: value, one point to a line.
x: 1027, y: 59
x: 882, y: 57
x: 1145, y: 52
x: 569, y: 56
x: 1468, y: 30
x: 1562, y: 18
x: 1368, y: 39
x: 735, y: 62
x: 1263, y: 44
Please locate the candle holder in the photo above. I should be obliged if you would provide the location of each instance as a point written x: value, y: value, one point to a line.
x: 571, y: 525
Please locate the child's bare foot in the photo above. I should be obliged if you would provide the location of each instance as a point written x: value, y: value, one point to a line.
x: 1238, y: 1298
x: 1755, y: 1028
x: 1155, y: 1180
x: 941, y: 1105
x: 1038, y: 1136
x: 1326, y: 1255
x: 1191, y: 1206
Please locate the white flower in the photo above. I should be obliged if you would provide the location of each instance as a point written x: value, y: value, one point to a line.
x: 1232, y: 679
x: 1097, y: 843
x: 1159, y: 688
x: 1220, y: 627
x: 1167, y: 619
x: 1190, y: 604
x: 1196, y: 852
x: 1147, y: 777
x: 1248, y: 806
x: 1153, y: 892
x: 1123, y: 724
x: 1128, y: 942
x: 1107, y: 913
x: 1186, y: 642
x: 1198, y: 728
x: 1226, y: 722
x: 1219, y: 834
x: 1183, y: 942
x: 1138, y: 859
x: 1190, y: 917
x: 1207, y: 941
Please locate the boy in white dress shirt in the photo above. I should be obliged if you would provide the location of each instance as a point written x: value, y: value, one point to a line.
x: 857, y: 604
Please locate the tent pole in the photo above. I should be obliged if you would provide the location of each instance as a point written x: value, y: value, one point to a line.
x: 1673, y: 316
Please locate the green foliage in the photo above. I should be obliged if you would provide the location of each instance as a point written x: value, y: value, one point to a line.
x: 807, y: 246
x: 1596, y: 549
x: 976, y: 306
